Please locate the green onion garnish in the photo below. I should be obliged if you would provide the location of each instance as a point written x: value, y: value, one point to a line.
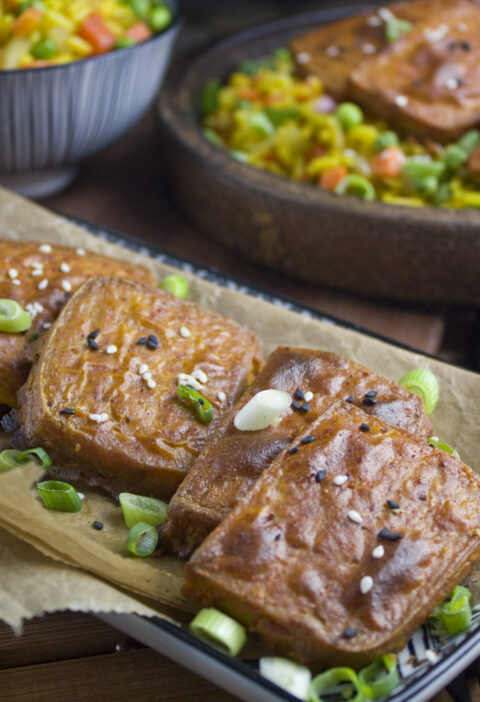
x: 261, y: 124
x: 444, y: 446
x: 380, y: 678
x: 290, y: 676
x: 13, y: 317
x: 219, y: 630
x: 278, y: 116
x: 357, y: 185
x: 142, y: 540
x: 454, y: 156
x: 176, y: 285
x: 384, y: 140
x: 59, y: 496
x: 11, y: 458
x: 324, y: 682
x: 137, y: 508
x: 422, y: 176
x: 202, y: 406
x: 38, y: 453
x: 455, y: 614
x: 469, y: 141
x: 396, y: 28
x: 423, y: 383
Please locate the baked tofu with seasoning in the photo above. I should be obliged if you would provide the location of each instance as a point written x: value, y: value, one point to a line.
x: 334, y: 50
x: 235, y: 459
x: 41, y: 278
x: 114, y: 357
x: 315, y: 559
x: 426, y: 82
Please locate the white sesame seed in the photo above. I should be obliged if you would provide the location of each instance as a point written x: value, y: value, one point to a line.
x: 369, y: 48
x: 80, y: 251
x: 199, y: 375
x: 340, y: 479
x: 37, y: 271
x: 151, y: 384
x: 185, y: 379
x: 374, y: 21
x: 13, y: 273
x: 184, y: 332
x: 66, y: 285
x: 147, y: 376
x: 303, y: 57
x: 332, y: 51
x: 431, y: 655
x: 355, y: 516
x: 111, y: 349
x: 143, y: 368
x: 15, y: 281
x: 308, y: 396
x: 99, y: 418
x: 33, y: 308
x: 452, y: 83
x: 43, y: 284
x: 437, y: 34
x: 45, y: 248
x: 378, y: 552
x: 36, y: 264
x: 64, y: 267
x: 401, y: 100
x: 81, y: 495
x: 366, y: 584
x: 434, y: 438
x: 221, y: 396
x: 386, y: 14
x: 47, y: 325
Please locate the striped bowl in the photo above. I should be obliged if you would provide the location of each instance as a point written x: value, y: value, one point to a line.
x: 52, y: 118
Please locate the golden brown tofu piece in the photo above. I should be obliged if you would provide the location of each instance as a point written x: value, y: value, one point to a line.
x: 130, y: 431
x: 426, y: 83
x: 235, y: 459
x: 332, y: 51
x: 318, y: 561
x: 41, y: 277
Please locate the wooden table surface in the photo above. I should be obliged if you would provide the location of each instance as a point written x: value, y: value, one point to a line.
x: 68, y: 657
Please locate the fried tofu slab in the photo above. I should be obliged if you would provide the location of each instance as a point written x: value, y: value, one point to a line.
x: 102, y: 398
x: 318, y: 561
x: 234, y: 459
x: 42, y: 277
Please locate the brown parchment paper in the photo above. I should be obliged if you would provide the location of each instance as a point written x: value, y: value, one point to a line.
x: 70, y: 539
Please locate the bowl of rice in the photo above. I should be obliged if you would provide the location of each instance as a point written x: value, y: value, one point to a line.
x: 327, y: 213
x: 74, y: 77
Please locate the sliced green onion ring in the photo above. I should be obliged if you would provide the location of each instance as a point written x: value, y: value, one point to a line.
x: 290, y: 676
x: 220, y: 631
x: 423, y: 383
x: 396, y: 28
x: 137, y: 508
x: 142, y: 540
x: 38, y: 453
x: 176, y: 285
x: 9, y: 459
x: 13, y: 317
x: 324, y: 682
x: 380, y: 678
x: 202, y: 406
x: 444, y: 446
x: 455, y: 614
x: 357, y: 185
x: 59, y: 496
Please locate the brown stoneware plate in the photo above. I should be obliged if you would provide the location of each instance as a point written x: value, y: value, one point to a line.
x: 373, y: 248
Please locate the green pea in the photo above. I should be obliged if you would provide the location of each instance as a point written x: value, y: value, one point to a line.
x: 454, y: 156
x: 140, y: 7
x: 469, y: 141
x: 124, y: 43
x: 384, y: 140
x: 443, y: 194
x: 160, y: 17
x: 349, y: 115
x: 417, y: 174
x: 357, y: 185
x: 44, y: 49
x: 176, y: 285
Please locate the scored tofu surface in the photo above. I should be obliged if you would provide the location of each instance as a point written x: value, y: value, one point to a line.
x: 30, y: 264
x: 150, y: 437
x: 289, y: 559
x: 234, y: 459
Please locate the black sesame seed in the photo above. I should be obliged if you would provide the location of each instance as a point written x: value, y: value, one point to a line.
x: 320, y: 476
x: 152, y: 342
x: 307, y: 439
x: 466, y: 46
x: 388, y: 535
x: 305, y: 407
x: 200, y: 401
x: 369, y: 401
x: 277, y: 537
x: 92, y: 344
x: 93, y: 334
x: 293, y: 450
x: 296, y: 405
x: 142, y: 341
x: 422, y: 496
x: 350, y: 398
x: 299, y: 394
x: 349, y: 633
x: 371, y: 393
x: 97, y: 525
x: 67, y: 410
x: 384, y: 430
x: 364, y: 426
x: 392, y: 504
